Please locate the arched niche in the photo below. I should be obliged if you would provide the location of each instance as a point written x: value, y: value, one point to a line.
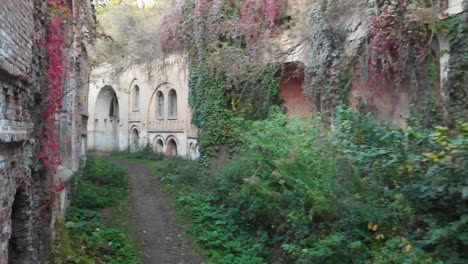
x: 135, y: 140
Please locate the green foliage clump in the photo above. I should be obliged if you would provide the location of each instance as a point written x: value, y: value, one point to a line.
x: 362, y: 192
x: 222, y: 238
x: 88, y: 241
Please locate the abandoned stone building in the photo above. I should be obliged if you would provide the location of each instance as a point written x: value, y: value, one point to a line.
x: 134, y: 110
x: 43, y: 45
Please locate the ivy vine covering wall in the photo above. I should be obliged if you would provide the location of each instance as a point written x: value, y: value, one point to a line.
x: 379, y: 55
x: 229, y: 83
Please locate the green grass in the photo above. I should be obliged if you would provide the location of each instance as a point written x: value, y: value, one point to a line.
x: 98, y: 225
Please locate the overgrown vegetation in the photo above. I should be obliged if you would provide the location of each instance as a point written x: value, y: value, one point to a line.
x: 228, y: 84
x: 345, y: 189
x: 83, y: 238
x: 301, y: 193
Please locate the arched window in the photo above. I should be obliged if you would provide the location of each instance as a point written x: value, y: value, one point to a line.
x: 136, y: 98
x: 114, y: 107
x: 160, y: 106
x: 172, y: 104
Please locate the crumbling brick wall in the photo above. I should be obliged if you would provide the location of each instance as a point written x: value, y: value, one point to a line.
x: 27, y: 207
x: 16, y: 125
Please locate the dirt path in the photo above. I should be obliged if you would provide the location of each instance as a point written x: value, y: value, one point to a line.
x: 161, y: 241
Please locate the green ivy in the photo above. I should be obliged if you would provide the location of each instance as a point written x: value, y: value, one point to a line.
x: 223, y: 105
x: 456, y: 90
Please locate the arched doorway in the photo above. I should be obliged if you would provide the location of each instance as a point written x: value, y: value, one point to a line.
x: 158, y: 146
x: 19, y: 245
x: 135, y: 144
x: 171, y: 149
x: 106, y: 120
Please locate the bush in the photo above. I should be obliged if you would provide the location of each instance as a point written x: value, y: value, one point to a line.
x: 179, y: 171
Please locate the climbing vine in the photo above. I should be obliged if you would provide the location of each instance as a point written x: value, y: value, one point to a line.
x: 234, y: 68
x: 55, y: 42
x: 401, y: 36
x: 326, y: 79
x: 392, y: 52
x: 456, y: 89
x: 399, y: 39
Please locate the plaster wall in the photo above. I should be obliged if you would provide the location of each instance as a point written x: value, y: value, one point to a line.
x: 455, y: 7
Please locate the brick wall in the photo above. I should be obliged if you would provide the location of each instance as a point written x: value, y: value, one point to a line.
x: 16, y: 36
x: 16, y: 125
x: 27, y: 207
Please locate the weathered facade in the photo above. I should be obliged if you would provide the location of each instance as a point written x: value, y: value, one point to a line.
x: 136, y: 110
x: 32, y: 195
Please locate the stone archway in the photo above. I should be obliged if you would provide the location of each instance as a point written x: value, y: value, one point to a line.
x: 19, y: 245
x: 106, y: 122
